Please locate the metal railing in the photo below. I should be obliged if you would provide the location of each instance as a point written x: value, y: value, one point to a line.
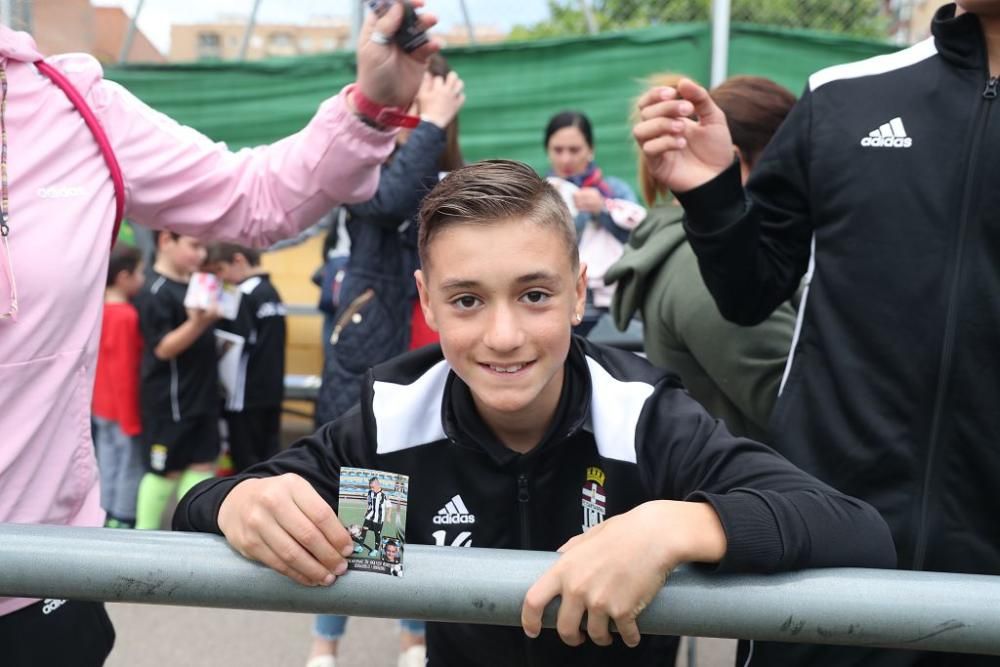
x: 888, y: 608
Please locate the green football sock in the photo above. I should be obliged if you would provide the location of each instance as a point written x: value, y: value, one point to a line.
x: 154, y: 494
x: 190, y: 478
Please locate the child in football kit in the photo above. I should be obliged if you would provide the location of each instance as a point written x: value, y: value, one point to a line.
x: 115, y: 408
x: 504, y: 426
x: 375, y: 511
x: 253, y: 409
x: 179, y: 391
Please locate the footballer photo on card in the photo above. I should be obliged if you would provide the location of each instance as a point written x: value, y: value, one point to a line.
x: 373, y: 509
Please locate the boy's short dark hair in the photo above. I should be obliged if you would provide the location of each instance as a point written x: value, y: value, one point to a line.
x: 493, y: 191
x: 226, y: 252
x: 160, y: 232
x: 124, y: 257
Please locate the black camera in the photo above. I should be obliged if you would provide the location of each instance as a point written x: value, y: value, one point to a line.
x: 410, y: 35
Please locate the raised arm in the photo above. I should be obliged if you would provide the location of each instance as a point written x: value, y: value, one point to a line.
x: 753, y: 246
x: 415, y: 167
x: 404, y: 181
x: 179, y: 180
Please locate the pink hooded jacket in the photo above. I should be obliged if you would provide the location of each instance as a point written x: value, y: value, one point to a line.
x: 61, y: 217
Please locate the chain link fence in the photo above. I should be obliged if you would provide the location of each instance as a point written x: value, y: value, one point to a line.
x: 900, y: 21
x: 862, y: 18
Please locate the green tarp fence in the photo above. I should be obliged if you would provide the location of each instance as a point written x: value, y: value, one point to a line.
x: 512, y: 88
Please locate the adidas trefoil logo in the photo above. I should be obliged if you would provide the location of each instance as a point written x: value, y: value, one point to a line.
x: 888, y: 135
x: 454, y: 512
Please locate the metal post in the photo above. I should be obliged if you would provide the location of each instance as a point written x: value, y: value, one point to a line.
x: 588, y: 16
x: 468, y: 22
x: 720, y: 40
x: 248, y: 33
x: 887, y: 608
x: 357, y: 20
x: 130, y: 35
x: 6, y: 16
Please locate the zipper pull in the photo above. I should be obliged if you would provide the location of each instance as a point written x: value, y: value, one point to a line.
x: 991, y: 88
x: 522, y: 489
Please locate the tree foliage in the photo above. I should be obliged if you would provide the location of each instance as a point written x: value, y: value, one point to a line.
x: 862, y: 18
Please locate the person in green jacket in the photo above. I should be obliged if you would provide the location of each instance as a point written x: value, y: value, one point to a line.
x: 735, y: 372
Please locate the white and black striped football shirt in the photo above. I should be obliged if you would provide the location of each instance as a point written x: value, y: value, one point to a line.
x: 376, y: 506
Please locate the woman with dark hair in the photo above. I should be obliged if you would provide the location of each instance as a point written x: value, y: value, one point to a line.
x: 604, y: 208
x: 378, y: 314
x: 733, y: 371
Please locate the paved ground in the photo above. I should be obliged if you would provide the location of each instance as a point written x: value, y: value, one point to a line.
x: 159, y: 636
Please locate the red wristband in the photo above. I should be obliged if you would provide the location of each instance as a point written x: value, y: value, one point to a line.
x: 380, y: 114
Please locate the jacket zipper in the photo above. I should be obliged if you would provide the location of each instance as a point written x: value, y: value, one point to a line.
x: 523, y: 498
x: 348, y: 315
x: 947, y: 350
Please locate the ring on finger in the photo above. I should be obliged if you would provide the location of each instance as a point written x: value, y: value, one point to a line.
x: 380, y: 38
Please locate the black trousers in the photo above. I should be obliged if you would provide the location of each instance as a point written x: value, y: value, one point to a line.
x: 56, y: 632
x: 776, y: 654
x: 254, y: 435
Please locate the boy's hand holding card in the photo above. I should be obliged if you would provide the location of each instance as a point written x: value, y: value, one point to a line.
x: 285, y: 524
x: 207, y: 292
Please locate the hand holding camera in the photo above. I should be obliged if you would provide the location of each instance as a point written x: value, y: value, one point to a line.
x: 388, y: 75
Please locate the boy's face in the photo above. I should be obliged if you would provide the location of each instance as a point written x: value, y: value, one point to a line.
x: 503, y: 297
x: 391, y: 553
x: 131, y: 282
x: 230, y: 272
x: 375, y: 486
x: 184, y: 254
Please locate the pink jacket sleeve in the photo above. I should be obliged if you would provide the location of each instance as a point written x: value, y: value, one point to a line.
x: 178, y: 179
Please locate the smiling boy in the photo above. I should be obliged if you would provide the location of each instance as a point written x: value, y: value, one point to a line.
x: 517, y: 435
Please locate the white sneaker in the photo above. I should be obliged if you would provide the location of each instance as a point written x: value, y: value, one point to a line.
x: 322, y: 661
x: 415, y: 656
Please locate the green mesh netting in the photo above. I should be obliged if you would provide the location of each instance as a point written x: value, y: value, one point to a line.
x: 512, y: 88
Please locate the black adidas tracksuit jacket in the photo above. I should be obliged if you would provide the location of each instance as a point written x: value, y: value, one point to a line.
x: 880, y: 189
x: 624, y: 433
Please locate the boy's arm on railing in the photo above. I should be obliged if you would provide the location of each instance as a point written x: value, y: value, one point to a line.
x: 283, y: 523
x: 776, y: 516
x: 593, y: 576
x: 281, y: 512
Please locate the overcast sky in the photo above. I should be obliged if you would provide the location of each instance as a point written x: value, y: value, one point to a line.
x: 157, y: 15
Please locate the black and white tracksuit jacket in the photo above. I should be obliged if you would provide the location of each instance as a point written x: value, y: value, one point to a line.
x: 879, y: 189
x: 624, y: 433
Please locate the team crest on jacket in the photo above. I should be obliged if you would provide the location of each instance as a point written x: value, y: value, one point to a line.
x: 593, y: 500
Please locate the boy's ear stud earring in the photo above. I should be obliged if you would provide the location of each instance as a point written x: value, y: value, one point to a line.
x: 577, y: 318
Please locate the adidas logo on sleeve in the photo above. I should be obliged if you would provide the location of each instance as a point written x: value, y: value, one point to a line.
x: 454, y: 512
x: 888, y: 135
